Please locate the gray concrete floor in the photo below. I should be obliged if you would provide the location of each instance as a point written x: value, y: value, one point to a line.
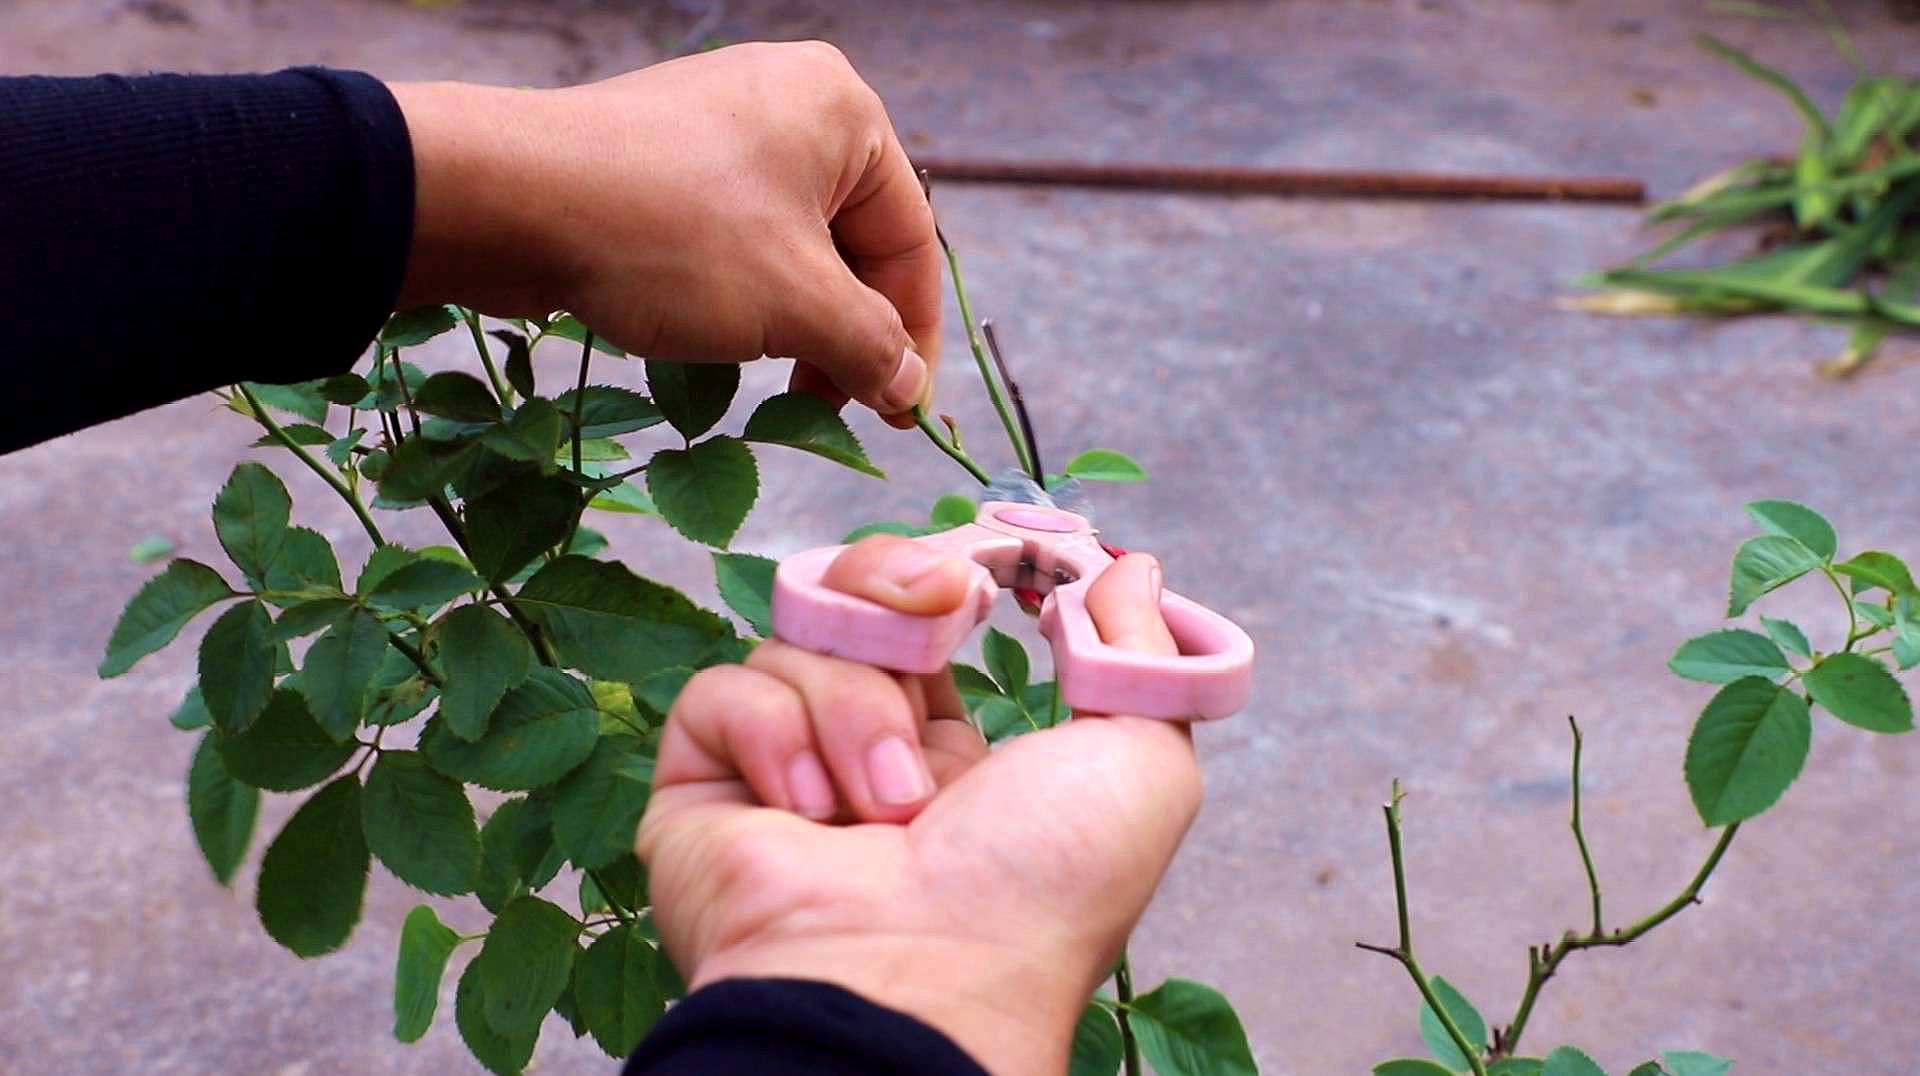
x: 1450, y: 513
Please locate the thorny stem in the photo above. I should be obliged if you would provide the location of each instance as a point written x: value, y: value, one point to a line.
x: 952, y: 450
x: 1123, y: 989
x: 500, y: 388
x: 451, y: 520
x: 327, y: 474
x: 1579, y: 835
x: 1404, y: 951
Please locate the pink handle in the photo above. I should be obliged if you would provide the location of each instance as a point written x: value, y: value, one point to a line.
x: 1050, y: 551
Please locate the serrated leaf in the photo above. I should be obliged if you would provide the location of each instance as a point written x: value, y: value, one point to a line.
x: 1569, y: 1061
x: 286, y: 749
x: 1517, y: 1066
x: 1465, y: 1017
x: 1105, y: 465
x: 612, y: 624
x: 1694, y: 1063
x: 222, y: 810
x: 905, y: 530
x: 411, y: 328
x: 568, y: 327
x: 300, y: 433
x: 533, y: 434
x: 1001, y: 718
x: 250, y: 517
x: 1645, y: 1068
x: 1411, y: 1066
x: 626, y: 881
x: 420, y: 825
x: 692, y: 395
x: 309, y: 617
x: 541, y: 730
x: 425, y: 945
x: 304, y: 564
x: 341, y: 388
x: 157, y: 612
x: 597, y: 808
x: 382, y: 562
x: 1006, y: 661
x: 610, y: 410
x: 1746, y: 748
x: 192, y: 712
x: 705, y: 491
x: 423, y: 584
x: 525, y: 517
x: 1906, y: 646
x: 337, y: 678
x: 1876, y: 568
x: 237, y: 662
x: 458, y: 396
x: 1798, y: 522
x: 1860, y: 691
x: 1188, y: 1027
x: 314, y: 875
x: 804, y: 421
x: 951, y: 511
x: 482, y: 655
x: 1766, y: 563
x: 618, y: 989
x: 1097, y: 1050
x: 746, y: 585
x: 1878, y: 615
x: 525, y: 963
x: 1721, y: 657
x: 974, y: 684
x: 303, y: 399
x: 517, y: 855
x: 1788, y: 635
x: 502, y: 1055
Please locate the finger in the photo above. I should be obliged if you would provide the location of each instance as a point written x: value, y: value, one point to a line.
x: 806, y: 378
x: 901, y: 574
x: 885, y: 230
x: 865, y: 726
x: 853, y: 335
x: 1125, y: 605
x: 952, y: 746
x: 734, y: 723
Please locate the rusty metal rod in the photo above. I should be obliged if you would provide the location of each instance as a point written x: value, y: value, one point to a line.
x: 1317, y: 183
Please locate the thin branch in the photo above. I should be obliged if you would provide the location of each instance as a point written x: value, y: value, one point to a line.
x: 580, y: 401
x: 414, y: 655
x: 458, y: 532
x: 406, y: 394
x: 327, y: 474
x: 1579, y: 835
x: 1123, y: 990
x: 500, y: 388
x: 1854, y: 634
x: 952, y: 450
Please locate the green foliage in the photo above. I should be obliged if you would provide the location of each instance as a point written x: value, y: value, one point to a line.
x: 598, y: 807
x: 692, y: 395
x: 425, y: 945
x: 612, y: 624
x: 482, y: 655
x: 525, y: 963
x: 609, y: 410
x: 1465, y: 1017
x: 706, y: 490
x: 621, y: 989
x: 1189, y: 1028
x: 1860, y: 691
x: 222, y: 810
x: 1006, y: 661
x: 417, y: 326
x: 804, y: 421
x: 1747, y: 747
x: 286, y: 749
x: 538, y: 734
x: 1570, y: 1061
x: 1105, y: 465
x: 1694, y: 1063
x: 338, y: 674
x: 746, y: 585
x: 1798, y: 522
x: 250, y: 518
x: 314, y: 875
x: 420, y: 825
x: 1097, y: 1049
x: 238, y: 660
x: 159, y: 610
x: 1411, y: 1066
x: 501, y: 1054
x: 952, y: 510
x: 1764, y: 564
x: 1721, y: 657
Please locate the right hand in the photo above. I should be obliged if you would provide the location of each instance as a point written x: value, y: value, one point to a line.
x: 816, y: 818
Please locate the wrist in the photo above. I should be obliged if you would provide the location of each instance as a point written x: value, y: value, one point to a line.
x: 1008, y: 1008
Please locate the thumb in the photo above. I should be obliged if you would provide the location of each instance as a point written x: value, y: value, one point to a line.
x: 1125, y: 605
x: 854, y: 336
x: 901, y: 574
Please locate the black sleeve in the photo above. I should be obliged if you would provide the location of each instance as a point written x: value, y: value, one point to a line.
x: 755, y: 1027
x: 166, y: 234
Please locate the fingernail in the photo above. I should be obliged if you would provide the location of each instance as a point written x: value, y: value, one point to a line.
x: 1154, y: 581
x: 808, y: 786
x: 894, y: 773
x: 908, y: 384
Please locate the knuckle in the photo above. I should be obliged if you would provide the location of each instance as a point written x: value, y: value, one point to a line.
x: 703, y: 690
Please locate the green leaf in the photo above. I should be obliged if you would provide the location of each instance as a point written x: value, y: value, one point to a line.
x: 1105, y: 465
x: 1001, y: 718
x: 1694, y: 1063
x: 1411, y: 1066
x: 517, y: 855
x: 705, y: 491
x: 1747, y: 747
x: 250, y: 517
x: 420, y: 825
x: 905, y: 530
x: 618, y: 987
x: 568, y: 327
x: 519, y: 365
x: 609, y: 410
x: 314, y: 875
x: 1006, y: 661
x: 305, y: 563
x: 692, y: 395
x: 181, y: 591
x: 286, y: 749
x: 237, y: 660
x: 458, y: 396
x: 525, y: 964
x: 611, y: 624
x: 1796, y: 521
x: 1879, y: 569
x: 1766, y: 563
x: 299, y: 399
x: 509, y: 527
x: 540, y: 731
x: 309, y: 617
x: 804, y: 421
x: 974, y: 684
x: 597, y: 808
x: 482, y: 655
x: 626, y: 880
x: 410, y: 328
x: 746, y: 585
x: 625, y: 497
x: 422, y: 468
x: 1906, y: 646
x: 1189, y: 1028
x: 382, y: 562
x: 1517, y: 1066
x: 1465, y: 1017
x: 532, y: 435
x: 149, y: 549
x: 423, y: 584
x: 1879, y: 615
x: 1570, y: 1061
x: 1097, y: 1050
x: 338, y: 675
x: 503, y: 1055
x: 384, y: 386
x: 1788, y: 635
x: 192, y: 712
x: 1810, y: 112
x: 1860, y: 691
x: 221, y: 808
x: 425, y: 945
x: 1721, y: 657
x: 300, y: 433
x: 952, y: 510
x: 341, y: 388
x: 659, y: 690
x: 1645, y: 1068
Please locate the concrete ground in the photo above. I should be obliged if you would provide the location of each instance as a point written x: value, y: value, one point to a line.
x: 1450, y: 513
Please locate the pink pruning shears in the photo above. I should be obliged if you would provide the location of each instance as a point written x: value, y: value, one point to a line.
x: 1056, y: 553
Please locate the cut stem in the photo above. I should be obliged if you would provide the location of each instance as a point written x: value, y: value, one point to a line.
x: 1579, y: 835
x: 327, y: 474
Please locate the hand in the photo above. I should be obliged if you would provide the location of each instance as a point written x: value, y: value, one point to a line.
x: 817, y: 818
x: 744, y: 202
